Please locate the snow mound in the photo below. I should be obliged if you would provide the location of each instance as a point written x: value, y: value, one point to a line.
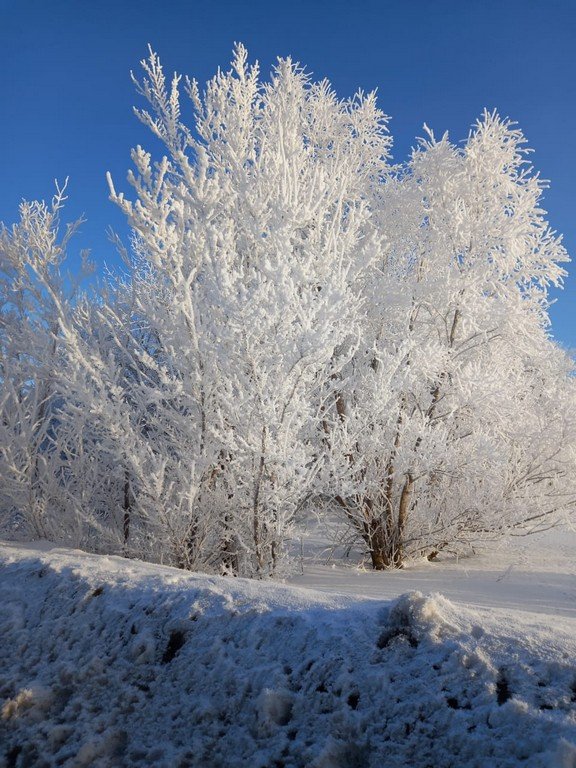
x: 108, y: 662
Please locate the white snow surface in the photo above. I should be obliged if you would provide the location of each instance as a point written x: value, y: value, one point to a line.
x: 113, y: 662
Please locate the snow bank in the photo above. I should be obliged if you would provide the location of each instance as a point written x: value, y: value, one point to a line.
x: 107, y: 662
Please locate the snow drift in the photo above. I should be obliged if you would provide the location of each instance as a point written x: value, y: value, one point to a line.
x: 107, y: 662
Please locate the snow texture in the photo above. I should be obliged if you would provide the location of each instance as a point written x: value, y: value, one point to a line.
x: 108, y: 662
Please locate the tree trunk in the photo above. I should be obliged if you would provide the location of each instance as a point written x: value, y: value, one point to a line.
x: 229, y: 551
x: 403, y: 509
x: 127, y: 507
x: 256, y: 523
x: 378, y: 541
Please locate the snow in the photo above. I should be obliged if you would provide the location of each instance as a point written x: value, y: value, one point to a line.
x: 113, y: 662
x: 536, y: 574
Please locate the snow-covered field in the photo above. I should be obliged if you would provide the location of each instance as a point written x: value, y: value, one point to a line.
x: 109, y: 662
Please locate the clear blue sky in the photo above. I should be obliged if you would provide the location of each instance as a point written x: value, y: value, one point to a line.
x: 67, y: 97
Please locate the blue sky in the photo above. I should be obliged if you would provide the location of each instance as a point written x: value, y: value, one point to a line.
x: 67, y: 95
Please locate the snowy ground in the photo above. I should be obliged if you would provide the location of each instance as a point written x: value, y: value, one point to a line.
x: 108, y: 662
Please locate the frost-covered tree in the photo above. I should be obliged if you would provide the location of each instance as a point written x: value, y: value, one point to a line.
x: 303, y: 327
x: 459, y: 409
x: 251, y: 235
x: 36, y: 297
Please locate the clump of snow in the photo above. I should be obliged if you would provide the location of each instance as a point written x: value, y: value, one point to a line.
x: 34, y: 701
x: 108, y: 662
